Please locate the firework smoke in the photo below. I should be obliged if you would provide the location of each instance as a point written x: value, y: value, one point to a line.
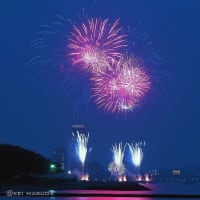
x: 116, y: 167
x: 116, y: 170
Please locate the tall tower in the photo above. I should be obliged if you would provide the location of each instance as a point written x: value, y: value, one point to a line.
x: 78, y: 127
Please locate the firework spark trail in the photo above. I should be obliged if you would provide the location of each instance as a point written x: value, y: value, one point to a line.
x: 95, y: 43
x: 118, y: 153
x: 82, y: 142
x: 121, y: 88
x: 115, y: 83
x: 136, y: 153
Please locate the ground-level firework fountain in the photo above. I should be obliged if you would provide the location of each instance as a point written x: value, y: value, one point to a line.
x: 137, y: 156
x: 81, y: 149
x: 116, y: 167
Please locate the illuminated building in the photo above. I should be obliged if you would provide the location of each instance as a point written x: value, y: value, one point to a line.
x: 176, y: 172
x: 153, y: 172
x: 59, y: 156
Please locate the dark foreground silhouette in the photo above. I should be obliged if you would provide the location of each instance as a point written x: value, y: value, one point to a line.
x: 66, y: 184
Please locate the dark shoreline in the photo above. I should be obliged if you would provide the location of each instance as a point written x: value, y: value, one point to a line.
x: 64, y: 185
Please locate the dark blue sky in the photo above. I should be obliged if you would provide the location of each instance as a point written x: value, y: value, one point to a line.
x: 41, y: 122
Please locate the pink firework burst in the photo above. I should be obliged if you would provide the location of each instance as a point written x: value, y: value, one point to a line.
x: 95, y: 43
x: 123, y: 88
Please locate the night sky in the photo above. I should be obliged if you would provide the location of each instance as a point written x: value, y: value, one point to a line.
x: 41, y: 121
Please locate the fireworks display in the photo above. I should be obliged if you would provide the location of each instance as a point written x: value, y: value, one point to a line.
x: 95, y: 43
x: 118, y: 82
x: 116, y: 170
x: 136, y: 153
x: 82, y: 142
x: 112, y: 74
x: 123, y: 88
x: 118, y: 153
x: 103, y: 67
x: 116, y: 167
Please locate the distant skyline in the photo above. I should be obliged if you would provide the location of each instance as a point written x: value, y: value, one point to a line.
x: 41, y: 119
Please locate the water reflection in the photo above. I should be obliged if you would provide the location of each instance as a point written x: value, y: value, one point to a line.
x: 114, y: 192
x: 164, y: 188
x: 172, y: 188
x: 102, y: 198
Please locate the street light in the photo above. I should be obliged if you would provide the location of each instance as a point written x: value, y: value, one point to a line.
x: 52, y: 166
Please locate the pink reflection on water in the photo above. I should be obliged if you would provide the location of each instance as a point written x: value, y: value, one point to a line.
x: 107, y: 192
x: 104, y: 198
x: 161, y: 188
x: 104, y: 192
x: 150, y: 186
